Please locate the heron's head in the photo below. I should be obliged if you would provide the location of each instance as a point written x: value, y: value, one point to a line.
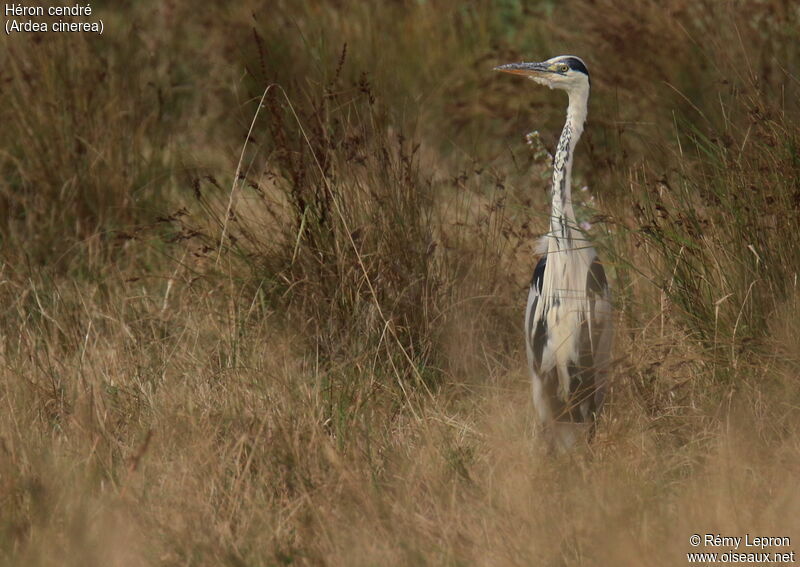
x: 565, y: 72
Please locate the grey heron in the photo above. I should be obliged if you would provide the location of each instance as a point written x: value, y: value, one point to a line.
x: 568, y: 324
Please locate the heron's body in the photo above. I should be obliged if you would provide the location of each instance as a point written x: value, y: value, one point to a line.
x: 568, y: 327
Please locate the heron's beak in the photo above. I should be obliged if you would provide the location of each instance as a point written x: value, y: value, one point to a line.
x: 526, y: 69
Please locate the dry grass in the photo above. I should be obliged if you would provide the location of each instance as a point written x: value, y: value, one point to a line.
x: 319, y: 361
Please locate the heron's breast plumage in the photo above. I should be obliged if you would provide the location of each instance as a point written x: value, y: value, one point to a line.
x: 560, y: 307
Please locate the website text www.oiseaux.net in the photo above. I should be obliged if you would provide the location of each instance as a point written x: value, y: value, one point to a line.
x: 754, y: 550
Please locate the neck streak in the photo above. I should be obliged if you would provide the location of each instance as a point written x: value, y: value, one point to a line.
x: 562, y: 217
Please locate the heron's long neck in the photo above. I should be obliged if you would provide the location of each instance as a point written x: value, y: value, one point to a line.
x: 562, y: 218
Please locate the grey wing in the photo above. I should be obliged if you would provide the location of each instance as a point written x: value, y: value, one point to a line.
x: 545, y: 382
x: 535, y: 330
x: 600, y: 328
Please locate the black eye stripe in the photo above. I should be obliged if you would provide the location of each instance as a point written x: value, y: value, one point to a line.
x: 576, y: 65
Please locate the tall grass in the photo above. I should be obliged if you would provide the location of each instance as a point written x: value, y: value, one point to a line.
x: 288, y: 330
x: 80, y: 132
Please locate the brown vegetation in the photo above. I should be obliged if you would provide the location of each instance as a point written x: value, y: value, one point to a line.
x: 300, y: 342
